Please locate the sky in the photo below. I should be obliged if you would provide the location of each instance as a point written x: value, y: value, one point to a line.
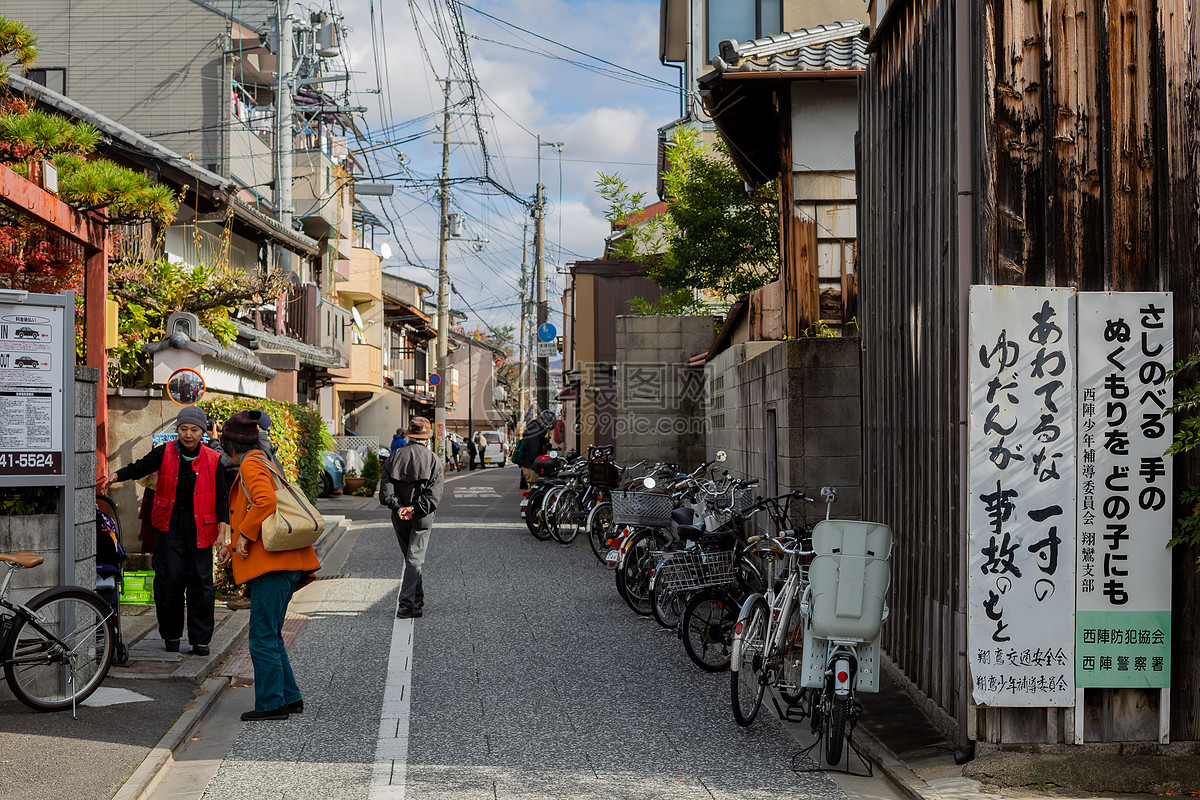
x: 606, y: 121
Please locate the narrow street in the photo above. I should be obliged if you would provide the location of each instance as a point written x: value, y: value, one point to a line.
x: 526, y: 677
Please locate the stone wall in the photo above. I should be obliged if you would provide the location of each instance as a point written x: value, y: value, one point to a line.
x: 659, y: 412
x: 40, y: 532
x: 798, y: 400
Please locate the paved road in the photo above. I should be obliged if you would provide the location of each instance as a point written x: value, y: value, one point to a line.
x: 527, y: 677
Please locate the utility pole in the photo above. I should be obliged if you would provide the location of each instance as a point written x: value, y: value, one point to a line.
x: 523, y: 371
x: 539, y: 256
x: 539, y: 260
x: 284, y: 138
x: 443, y: 341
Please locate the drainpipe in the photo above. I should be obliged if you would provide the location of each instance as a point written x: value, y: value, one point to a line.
x: 965, y: 179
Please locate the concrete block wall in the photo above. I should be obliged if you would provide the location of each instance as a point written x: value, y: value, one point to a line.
x: 810, y: 388
x: 659, y: 400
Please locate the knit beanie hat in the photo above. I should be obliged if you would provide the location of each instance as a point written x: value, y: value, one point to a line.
x: 264, y: 421
x: 190, y: 415
x: 241, y: 428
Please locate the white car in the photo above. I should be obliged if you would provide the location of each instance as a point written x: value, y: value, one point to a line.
x: 494, y: 451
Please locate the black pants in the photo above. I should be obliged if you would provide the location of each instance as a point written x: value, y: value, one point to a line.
x: 183, y: 573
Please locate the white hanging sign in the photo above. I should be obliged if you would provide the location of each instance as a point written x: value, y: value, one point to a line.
x: 1123, y: 596
x: 1021, y: 570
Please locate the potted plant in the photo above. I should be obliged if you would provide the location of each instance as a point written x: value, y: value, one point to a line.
x: 370, y: 475
x: 354, y: 481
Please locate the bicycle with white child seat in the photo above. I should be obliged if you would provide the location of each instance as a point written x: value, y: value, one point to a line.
x: 833, y: 605
x: 57, y: 648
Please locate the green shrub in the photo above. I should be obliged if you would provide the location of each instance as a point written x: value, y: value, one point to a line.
x: 371, y: 472
x: 297, y: 433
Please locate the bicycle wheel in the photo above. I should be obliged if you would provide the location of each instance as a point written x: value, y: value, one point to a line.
x: 633, y: 576
x: 748, y: 684
x: 64, y: 656
x: 835, y: 729
x: 566, y: 517
x: 791, y: 662
x: 667, y: 606
x: 707, y: 628
x: 599, y: 529
x: 545, y: 515
x: 531, y: 512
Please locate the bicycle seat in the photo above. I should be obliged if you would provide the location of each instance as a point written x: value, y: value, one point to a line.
x: 688, y: 533
x: 24, y: 559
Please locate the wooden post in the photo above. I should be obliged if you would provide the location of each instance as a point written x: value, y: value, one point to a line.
x: 95, y: 288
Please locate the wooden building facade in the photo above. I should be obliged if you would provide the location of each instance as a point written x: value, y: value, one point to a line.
x: 1027, y: 142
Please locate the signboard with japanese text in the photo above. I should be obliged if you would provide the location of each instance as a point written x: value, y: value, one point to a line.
x: 1123, y: 591
x: 1021, y: 573
x: 31, y: 389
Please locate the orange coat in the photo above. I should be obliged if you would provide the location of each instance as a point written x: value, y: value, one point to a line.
x: 246, y: 517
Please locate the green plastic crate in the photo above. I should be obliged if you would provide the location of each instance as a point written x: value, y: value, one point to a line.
x: 139, y: 588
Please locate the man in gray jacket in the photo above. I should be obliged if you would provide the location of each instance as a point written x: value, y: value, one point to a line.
x: 411, y: 486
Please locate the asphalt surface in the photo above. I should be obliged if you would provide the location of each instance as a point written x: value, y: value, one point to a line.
x: 530, y: 678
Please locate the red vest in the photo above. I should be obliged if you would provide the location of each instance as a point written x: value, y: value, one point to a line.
x: 204, y: 504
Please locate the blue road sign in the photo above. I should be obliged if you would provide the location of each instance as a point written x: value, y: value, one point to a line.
x: 546, y: 332
x: 435, y: 379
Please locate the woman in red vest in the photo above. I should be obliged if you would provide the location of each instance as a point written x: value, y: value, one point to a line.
x: 191, y: 504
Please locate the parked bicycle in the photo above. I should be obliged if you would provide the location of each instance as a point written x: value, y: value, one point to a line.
x: 57, y: 648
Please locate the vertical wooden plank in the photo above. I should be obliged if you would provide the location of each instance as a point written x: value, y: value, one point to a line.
x: 1134, y: 235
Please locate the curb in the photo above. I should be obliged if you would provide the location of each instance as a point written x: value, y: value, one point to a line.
x: 141, y: 783
x: 899, y: 774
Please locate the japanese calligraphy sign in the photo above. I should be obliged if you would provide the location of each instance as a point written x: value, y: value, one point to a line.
x: 1123, y: 593
x: 1021, y: 574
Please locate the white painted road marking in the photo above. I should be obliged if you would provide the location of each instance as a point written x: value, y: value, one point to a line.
x: 391, y: 751
x: 112, y: 696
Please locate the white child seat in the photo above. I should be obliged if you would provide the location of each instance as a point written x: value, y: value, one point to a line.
x: 848, y: 579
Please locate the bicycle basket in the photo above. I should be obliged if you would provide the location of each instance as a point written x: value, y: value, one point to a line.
x: 642, y: 508
x: 684, y: 570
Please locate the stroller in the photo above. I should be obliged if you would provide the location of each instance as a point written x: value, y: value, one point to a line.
x: 110, y: 572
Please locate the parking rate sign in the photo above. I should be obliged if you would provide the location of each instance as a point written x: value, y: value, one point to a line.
x: 31, y: 389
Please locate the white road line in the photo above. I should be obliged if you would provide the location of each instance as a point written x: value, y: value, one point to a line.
x: 391, y: 751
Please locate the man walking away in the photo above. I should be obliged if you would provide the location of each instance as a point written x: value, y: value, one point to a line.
x: 412, y: 487
x: 471, y: 451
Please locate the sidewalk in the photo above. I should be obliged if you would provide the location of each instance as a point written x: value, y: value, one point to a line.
x: 919, y: 760
x: 127, y: 730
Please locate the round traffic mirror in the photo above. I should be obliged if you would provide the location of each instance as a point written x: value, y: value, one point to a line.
x: 721, y: 455
x: 186, y: 387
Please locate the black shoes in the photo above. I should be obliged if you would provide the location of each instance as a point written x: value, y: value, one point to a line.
x: 199, y: 649
x: 296, y: 707
x: 274, y: 713
x: 171, y: 645
x: 408, y: 612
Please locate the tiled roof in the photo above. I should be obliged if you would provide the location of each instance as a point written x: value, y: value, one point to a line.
x: 834, y: 47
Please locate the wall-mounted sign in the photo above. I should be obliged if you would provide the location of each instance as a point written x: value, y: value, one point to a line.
x: 186, y: 387
x: 31, y: 389
x: 1021, y: 574
x: 1123, y: 592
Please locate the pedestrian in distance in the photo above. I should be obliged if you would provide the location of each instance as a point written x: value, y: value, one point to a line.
x: 480, y: 446
x: 272, y: 577
x: 190, y: 511
x: 471, y: 450
x: 411, y: 487
x: 455, y: 449
x: 398, y: 440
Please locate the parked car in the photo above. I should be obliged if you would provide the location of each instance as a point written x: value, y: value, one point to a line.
x: 333, y: 473
x: 494, y: 449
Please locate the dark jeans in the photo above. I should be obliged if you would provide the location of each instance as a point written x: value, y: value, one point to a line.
x: 413, y: 536
x: 183, y: 576
x: 274, y: 683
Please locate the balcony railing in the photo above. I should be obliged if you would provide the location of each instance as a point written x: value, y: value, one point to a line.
x: 365, y: 373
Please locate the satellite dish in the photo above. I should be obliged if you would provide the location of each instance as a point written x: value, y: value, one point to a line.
x: 385, y: 250
x: 358, y: 323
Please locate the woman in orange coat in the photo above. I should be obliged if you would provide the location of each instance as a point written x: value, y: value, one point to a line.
x: 272, y: 577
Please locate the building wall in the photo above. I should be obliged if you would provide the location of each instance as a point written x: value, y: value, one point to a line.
x: 800, y: 400
x: 155, y: 66
x: 477, y: 380
x: 660, y: 401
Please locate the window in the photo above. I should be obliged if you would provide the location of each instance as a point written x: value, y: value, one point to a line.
x: 742, y: 20
x: 54, y: 78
